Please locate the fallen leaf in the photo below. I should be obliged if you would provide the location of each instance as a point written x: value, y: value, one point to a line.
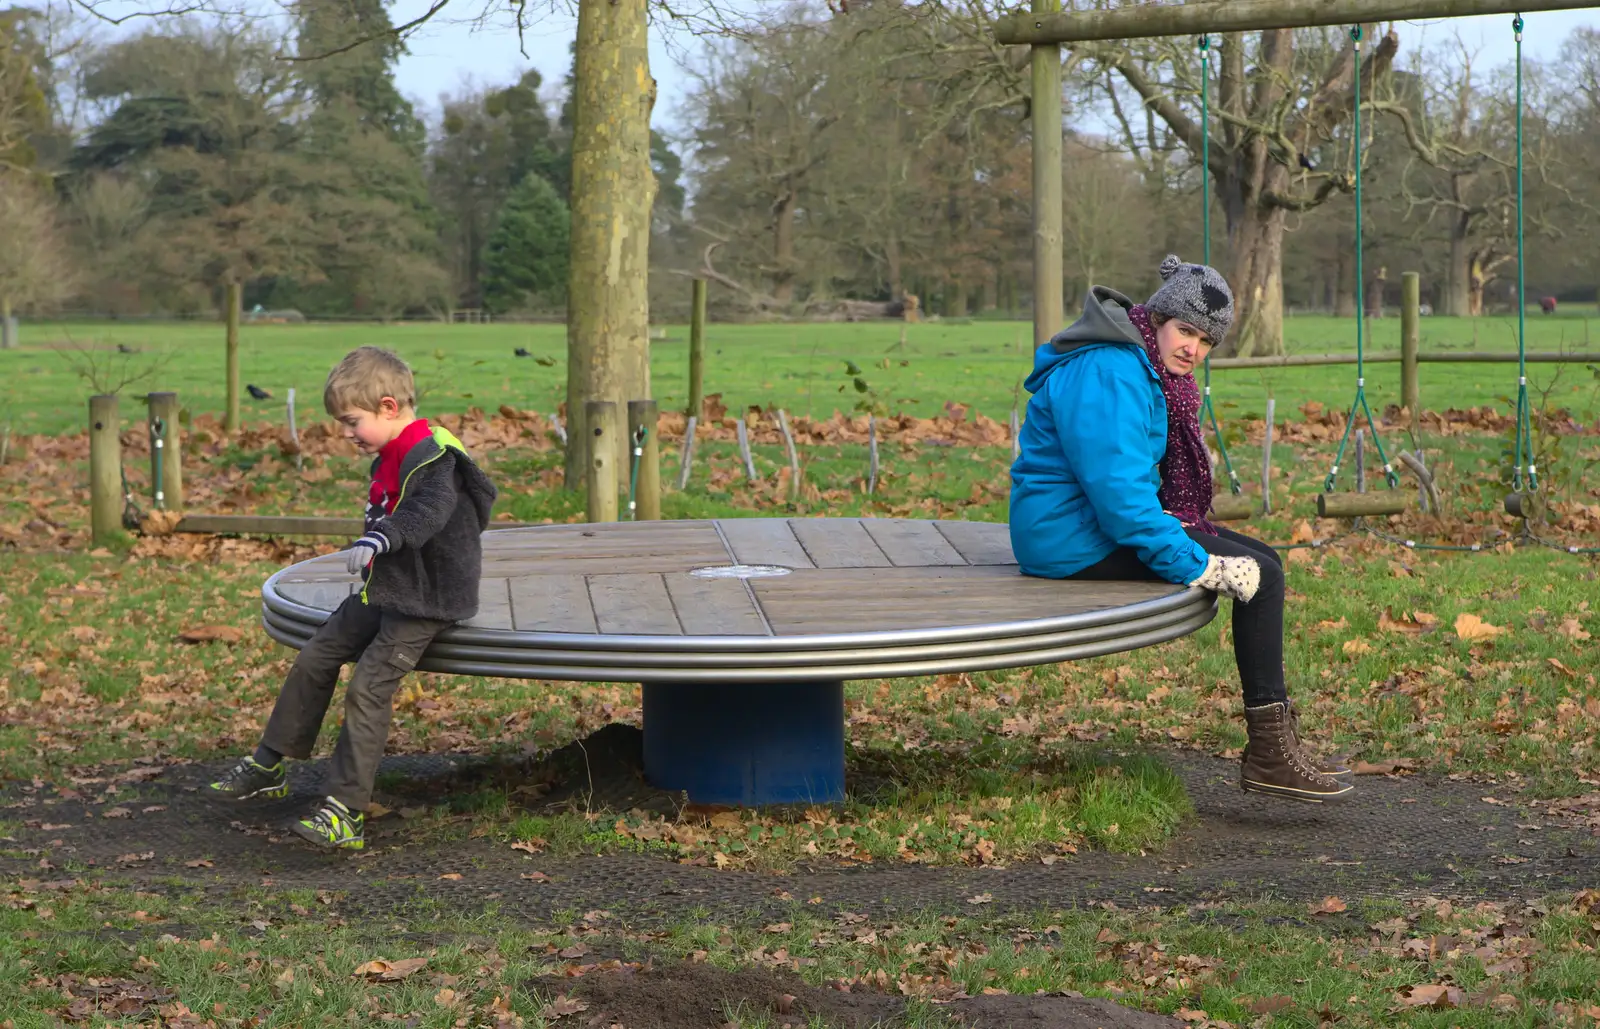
x: 1357, y: 646
x: 1555, y: 662
x: 1191, y: 1015
x: 1413, y: 622
x: 1303, y: 533
x: 1572, y: 629
x: 529, y: 846
x: 116, y: 812
x: 1437, y: 995
x: 389, y: 971
x: 777, y: 927
x: 210, y: 633
x: 1329, y: 906
x: 446, y: 998
x: 1389, y: 767
x: 1267, y: 1005
x: 376, y: 810
x: 1330, y: 625
x: 982, y: 898
x: 538, y: 877
x: 1471, y: 627
x: 198, y: 863
x: 563, y: 1006
x: 577, y: 950
x: 452, y: 876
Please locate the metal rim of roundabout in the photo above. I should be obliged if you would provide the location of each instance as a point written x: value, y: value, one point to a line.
x: 733, y: 659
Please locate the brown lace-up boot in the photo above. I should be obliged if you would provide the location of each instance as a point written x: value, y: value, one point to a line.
x: 1332, y: 767
x: 1273, y: 762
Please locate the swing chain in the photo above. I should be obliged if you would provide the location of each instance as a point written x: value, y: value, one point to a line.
x: 633, y: 475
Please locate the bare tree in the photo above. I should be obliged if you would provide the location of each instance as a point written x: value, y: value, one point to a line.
x: 35, y: 272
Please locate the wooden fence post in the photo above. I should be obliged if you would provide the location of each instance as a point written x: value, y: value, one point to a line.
x: 105, y: 468
x: 686, y: 459
x: 231, y: 317
x: 697, y: 351
x: 794, y: 457
x: 1266, y: 460
x: 8, y: 325
x: 1045, y: 112
x: 647, y: 452
x: 744, y: 450
x: 1410, y: 338
x: 601, y: 418
x: 166, y: 474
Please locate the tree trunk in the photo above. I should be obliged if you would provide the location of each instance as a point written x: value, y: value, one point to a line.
x: 1257, y: 280
x: 892, y: 256
x: 1458, y: 302
x: 991, y: 291
x: 1344, y: 287
x: 1477, y: 278
x: 783, y: 274
x: 955, y: 300
x: 233, y: 300
x: 1375, y: 293
x: 613, y: 189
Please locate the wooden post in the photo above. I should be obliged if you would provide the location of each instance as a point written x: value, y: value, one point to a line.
x: 1361, y: 460
x: 8, y: 325
x: 697, y: 351
x: 105, y: 469
x: 794, y: 457
x: 872, y: 454
x: 294, y: 433
x: 744, y: 450
x: 1410, y: 341
x: 1046, y: 114
x: 686, y: 460
x: 1266, y: 460
x: 1422, y: 482
x: 647, y: 483
x: 168, y: 441
x: 600, y: 416
x: 231, y: 317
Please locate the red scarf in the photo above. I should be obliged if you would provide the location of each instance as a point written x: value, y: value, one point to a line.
x: 1186, y: 468
x: 385, y: 490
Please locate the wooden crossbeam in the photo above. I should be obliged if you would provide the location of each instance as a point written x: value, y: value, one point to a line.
x: 1194, y: 19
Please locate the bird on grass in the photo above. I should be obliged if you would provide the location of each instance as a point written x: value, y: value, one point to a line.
x: 1305, y: 162
x: 522, y: 352
x: 258, y: 392
x: 123, y: 348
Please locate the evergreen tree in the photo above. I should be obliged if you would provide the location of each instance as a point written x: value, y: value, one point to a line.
x: 527, y: 256
x: 349, y: 49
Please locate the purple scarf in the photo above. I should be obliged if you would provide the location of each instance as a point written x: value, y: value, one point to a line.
x: 1186, y: 468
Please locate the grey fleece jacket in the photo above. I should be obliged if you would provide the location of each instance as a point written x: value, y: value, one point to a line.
x: 435, y: 555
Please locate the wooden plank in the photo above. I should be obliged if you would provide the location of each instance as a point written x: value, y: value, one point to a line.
x: 912, y: 544
x: 518, y: 567
x: 981, y: 543
x: 867, y: 600
x: 630, y: 604
x: 282, y: 525
x: 763, y: 541
x: 322, y: 596
x: 494, y: 605
x: 838, y: 543
x: 551, y: 603
x: 714, y: 607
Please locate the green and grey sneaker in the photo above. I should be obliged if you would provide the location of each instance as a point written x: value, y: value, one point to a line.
x: 333, y: 825
x: 250, y: 779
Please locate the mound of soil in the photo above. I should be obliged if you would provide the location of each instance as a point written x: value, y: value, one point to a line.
x: 703, y: 996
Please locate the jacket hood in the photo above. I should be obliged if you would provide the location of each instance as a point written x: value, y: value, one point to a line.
x: 1104, y: 321
x: 476, y: 484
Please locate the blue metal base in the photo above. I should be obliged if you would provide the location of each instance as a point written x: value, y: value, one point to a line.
x: 746, y: 744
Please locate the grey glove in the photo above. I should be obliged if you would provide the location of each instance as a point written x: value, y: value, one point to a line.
x: 1237, y: 577
x: 363, y: 550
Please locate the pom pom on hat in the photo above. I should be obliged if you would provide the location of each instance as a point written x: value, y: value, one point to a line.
x: 1169, y: 266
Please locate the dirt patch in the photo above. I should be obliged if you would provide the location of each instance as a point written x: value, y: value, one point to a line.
x: 702, y: 996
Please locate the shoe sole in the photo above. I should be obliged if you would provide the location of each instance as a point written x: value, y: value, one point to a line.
x: 1304, y: 796
x: 322, y: 841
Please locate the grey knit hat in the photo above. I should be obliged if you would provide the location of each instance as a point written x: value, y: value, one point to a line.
x: 1194, y: 293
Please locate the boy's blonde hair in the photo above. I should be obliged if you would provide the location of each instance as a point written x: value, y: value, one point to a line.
x: 364, y: 378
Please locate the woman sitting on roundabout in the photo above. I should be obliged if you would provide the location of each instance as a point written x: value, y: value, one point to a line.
x: 1114, y: 482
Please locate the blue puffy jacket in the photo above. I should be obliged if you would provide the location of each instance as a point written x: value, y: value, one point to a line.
x: 1085, y: 482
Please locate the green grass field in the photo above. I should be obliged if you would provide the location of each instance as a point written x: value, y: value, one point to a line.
x: 799, y: 367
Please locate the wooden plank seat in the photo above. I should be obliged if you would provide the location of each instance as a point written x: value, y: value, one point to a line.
x: 744, y: 630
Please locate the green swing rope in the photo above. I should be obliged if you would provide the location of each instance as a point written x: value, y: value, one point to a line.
x: 1207, y: 408
x: 1523, y: 455
x: 1360, y: 402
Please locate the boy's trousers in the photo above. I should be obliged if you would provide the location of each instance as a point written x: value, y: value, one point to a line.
x: 384, y: 646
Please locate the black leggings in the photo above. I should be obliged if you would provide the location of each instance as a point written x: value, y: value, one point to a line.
x: 1257, y: 626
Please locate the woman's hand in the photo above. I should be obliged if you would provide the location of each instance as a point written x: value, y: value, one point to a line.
x: 1186, y: 525
x: 1237, y: 577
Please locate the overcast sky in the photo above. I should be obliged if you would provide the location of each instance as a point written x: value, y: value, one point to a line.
x: 447, y: 53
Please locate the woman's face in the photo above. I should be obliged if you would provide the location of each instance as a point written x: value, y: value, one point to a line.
x: 1182, y: 346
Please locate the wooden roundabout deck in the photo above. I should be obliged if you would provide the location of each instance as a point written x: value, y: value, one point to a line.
x: 743, y: 631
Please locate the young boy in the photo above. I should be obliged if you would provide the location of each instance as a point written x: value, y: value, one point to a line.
x: 419, y: 560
